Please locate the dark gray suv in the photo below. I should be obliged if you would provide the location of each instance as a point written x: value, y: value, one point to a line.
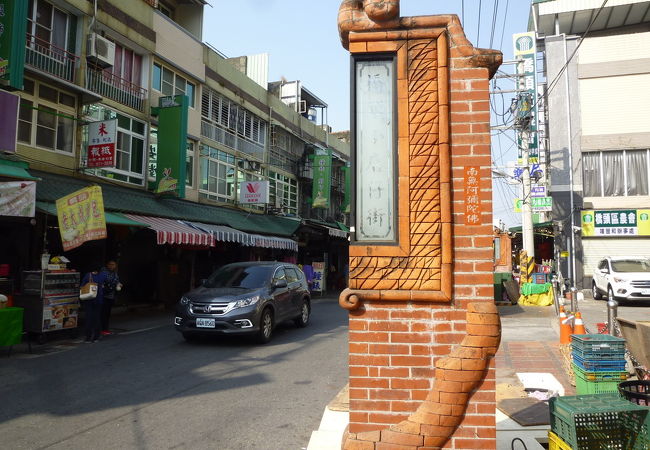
x: 245, y: 298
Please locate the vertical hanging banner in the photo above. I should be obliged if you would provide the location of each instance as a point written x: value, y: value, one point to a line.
x: 172, y: 145
x: 322, y: 178
x: 347, y: 173
x: 318, y: 284
x: 13, y: 26
x: 102, y: 137
x: 8, y: 121
x: 473, y: 208
x: 525, y: 49
x: 81, y: 217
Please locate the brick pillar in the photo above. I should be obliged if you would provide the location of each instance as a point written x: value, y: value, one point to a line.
x: 423, y: 325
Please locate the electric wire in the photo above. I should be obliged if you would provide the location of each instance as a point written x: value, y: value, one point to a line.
x: 494, y: 21
x: 503, y: 29
x: 478, y: 29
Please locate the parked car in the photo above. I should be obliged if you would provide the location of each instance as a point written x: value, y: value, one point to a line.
x: 248, y: 298
x: 622, y: 279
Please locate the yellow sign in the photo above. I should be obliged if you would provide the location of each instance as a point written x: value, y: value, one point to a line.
x: 616, y: 223
x: 564, y: 254
x: 81, y: 217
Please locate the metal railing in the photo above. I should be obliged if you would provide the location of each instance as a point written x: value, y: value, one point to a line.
x: 111, y: 86
x: 231, y: 140
x: 47, y: 57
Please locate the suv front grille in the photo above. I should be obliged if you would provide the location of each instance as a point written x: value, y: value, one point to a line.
x: 217, y: 309
x: 641, y: 284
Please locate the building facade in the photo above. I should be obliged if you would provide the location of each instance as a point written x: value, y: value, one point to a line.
x: 133, y: 62
x: 598, y: 78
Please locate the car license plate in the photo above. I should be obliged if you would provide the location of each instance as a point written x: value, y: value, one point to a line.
x: 645, y: 291
x: 204, y: 323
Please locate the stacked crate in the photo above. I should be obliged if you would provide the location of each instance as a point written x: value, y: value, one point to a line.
x: 598, y: 362
x: 596, y: 422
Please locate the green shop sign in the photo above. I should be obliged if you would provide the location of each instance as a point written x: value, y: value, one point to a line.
x: 616, y: 223
x: 172, y: 145
x: 348, y: 187
x: 322, y: 178
x: 13, y: 26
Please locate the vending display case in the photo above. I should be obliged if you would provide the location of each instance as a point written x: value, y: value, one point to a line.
x: 50, y: 300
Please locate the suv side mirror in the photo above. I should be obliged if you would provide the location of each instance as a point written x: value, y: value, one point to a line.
x: 280, y: 284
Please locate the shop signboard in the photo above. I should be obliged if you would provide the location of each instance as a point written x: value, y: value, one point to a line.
x: 8, y: 121
x: 171, y: 152
x: 322, y: 178
x: 18, y: 198
x: 253, y: 192
x: 318, y: 284
x: 13, y: 27
x: 538, y: 191
x: 538, y: 204
x: 616, y: 223
x: 102, y: 136
x: 81, y: 217
x: 347, y: 173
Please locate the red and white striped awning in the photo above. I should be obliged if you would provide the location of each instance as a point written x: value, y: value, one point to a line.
x: 171, y: 231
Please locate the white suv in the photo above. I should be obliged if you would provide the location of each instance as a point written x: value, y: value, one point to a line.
x: 622, y: 278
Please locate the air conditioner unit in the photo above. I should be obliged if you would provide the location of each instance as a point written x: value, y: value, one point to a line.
x: 254, y: 166
x: 100, y: 51
x: 302, y: 106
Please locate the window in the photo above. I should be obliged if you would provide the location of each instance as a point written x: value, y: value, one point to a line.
x: 218, y: 174
x: 127, y: 65
x: 292, y: 275
x: 283, y: 192
x: 47, y: 117
x: 129, y: 148
x: 616, y: 173
x: 48, y: 26
x: 167, y: 82
x: 279, y: 275
x: 189, y: 164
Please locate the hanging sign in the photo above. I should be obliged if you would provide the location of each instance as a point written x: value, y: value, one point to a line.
x: 81, y: 217
x: 171, y: 151
x: 13, y: 26
x: 8, y: 121
x: 319, y: 276
x: 18, y: 198
x: 538, y: 204
x: 253, y: 192
x: 322, y: 178
x: 102, y: 137
x: 473, y: 208
x: 616, y: 223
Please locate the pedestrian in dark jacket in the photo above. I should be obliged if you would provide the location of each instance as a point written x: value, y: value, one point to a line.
x: 111, y: 286
x: 93, y: 307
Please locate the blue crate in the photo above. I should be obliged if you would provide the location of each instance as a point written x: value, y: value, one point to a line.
x: 598, y: 346
x: 599, y: 365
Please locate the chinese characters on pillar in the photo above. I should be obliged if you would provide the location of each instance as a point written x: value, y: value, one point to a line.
x: 472, y: 201
x: 101, y: 143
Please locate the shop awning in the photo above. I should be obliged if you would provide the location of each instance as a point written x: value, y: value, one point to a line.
x: 15, y: 169
x: 171, y: 231
x: 226, y: 234
x: 335, y: 231
x: 111, y: 217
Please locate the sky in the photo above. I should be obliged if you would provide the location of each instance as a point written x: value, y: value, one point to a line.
x: 302, y: 40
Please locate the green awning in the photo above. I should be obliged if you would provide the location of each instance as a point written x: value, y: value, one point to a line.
x: 111, y: 217
x: 535, y: 226
x: 15, y: 169
x: 343, y: 227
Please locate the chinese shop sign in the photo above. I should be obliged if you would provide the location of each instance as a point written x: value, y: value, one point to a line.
x: 322, y: 178
x: 616, y: 223
x: 473, y: 208
x: 171, y: 151
x: 81, y: 217
x: 13, y: 26
x: 101, y: 143
x: 253, y: 192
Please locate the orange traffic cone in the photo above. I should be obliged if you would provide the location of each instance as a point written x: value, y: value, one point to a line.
x: 579, y: 325
x: 565, y: 328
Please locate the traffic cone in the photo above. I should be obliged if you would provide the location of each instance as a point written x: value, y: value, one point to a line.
x: 579, y: 325
x: 565, y: 328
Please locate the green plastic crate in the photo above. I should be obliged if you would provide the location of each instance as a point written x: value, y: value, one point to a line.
x: 597, y: 382
x: 599, y: 421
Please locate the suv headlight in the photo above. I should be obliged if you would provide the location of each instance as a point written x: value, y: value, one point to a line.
x: 184, y: 300
x: 245, y: 302
x: 619, y: 280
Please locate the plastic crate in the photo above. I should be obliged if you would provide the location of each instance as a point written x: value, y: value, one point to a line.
x: 555, y: 443
x: 599, y: 365
x: 600, y: 421
x: 597, y: 382
x: 598, y: 346
x: 636, y: 391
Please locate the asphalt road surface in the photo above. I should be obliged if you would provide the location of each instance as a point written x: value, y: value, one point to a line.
x: 147, y: 388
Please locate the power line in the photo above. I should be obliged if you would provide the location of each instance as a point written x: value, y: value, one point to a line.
x: 505, y: 16
x: 494, y: 21
x: 478, y: 30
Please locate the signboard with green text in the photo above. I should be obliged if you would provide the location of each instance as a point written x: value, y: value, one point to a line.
x: 13, y: 26
x: 538, y: 204
x: 616, y: 223
x: 322, y: 178
x: 172, y: 145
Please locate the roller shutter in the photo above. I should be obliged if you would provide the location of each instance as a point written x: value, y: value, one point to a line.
x: 599, y: 248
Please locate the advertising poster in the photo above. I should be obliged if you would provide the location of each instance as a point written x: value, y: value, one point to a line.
x: 81, y: 217
x: 18, y: 198
x: 102, y: 137
x: 318, y: 284
x: 616, y: 223
x: 253, y: 192
x: 322, y: 178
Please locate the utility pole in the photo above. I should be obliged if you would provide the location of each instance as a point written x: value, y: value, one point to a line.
x: 522, y: 124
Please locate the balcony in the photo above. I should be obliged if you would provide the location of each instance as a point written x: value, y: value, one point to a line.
x: 232, y: 140
x: 115, y: 88
x: 50, y: 59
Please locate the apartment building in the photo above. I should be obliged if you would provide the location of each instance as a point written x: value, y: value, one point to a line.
x: 191, y: 128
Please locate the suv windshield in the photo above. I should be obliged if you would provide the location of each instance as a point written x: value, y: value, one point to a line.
x: 251, y: 277
x: 631, y: 265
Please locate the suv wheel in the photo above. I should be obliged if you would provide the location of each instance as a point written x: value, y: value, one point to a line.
x: 594, y: 290
x: 266, y: 326
x: 303, y: 319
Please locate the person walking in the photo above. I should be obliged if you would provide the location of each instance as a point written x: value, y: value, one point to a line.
x: 93, y: 307
x: 112, y: 285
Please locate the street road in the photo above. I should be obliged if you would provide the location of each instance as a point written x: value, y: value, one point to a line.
x: 149, y: 389
x: 595, y: 311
